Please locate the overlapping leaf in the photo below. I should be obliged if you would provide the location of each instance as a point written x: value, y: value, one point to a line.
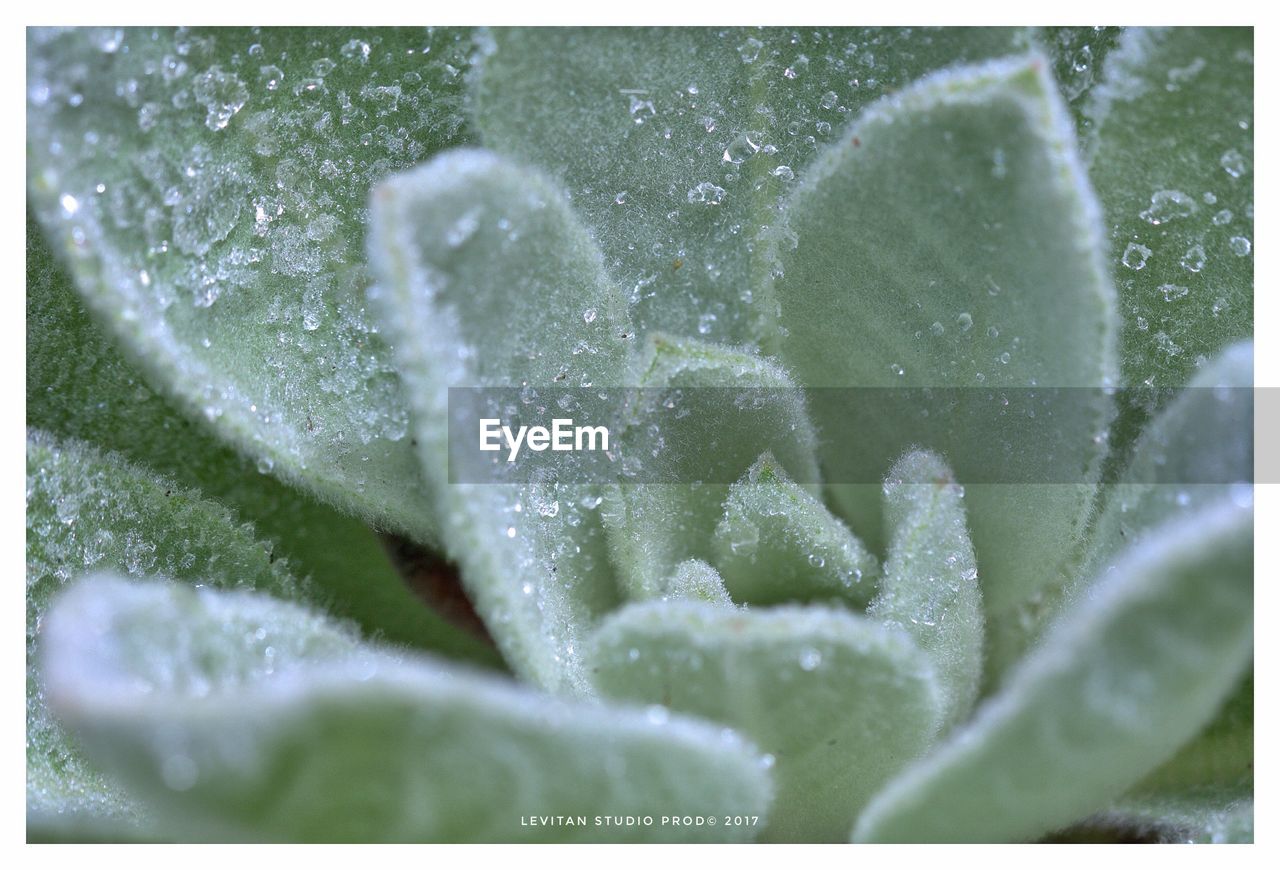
x: 208, y: 188
x: 702, y: 414
x: 686, y: 140
x: 489, y: 281
x: 91, y: 511
x: 80, y: 387
x: 1121, y: 681
x: 240, y: 716
x: 839, y: 701
x: 976, y: 265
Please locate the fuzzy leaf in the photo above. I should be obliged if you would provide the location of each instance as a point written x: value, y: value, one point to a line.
x: 239, y: 715
x: 696, y: 581
x: 1205, y: 815
x: 1220, y: 756
x: 207, y: 189
x: 80, y: 387
x: 92, y: 511
x: 839, y: 701
x: 703, y: 414
x: 930, y: 586
x: 1118, y: 684
x: 686, y: 140
x: 1172, y: 158
x: 777, y: 543
x: 1194, y: 452
x: 488, y: 280
x: 979, y: 268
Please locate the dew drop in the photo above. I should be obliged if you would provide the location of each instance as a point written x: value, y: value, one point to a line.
x: 810, y: 659
x: 1194, y: 259
x: 1135, y: 256
x: 1240, y: 246
x: 1167, y: 205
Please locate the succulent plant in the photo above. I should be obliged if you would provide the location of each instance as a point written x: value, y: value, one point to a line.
x: 926, y: 356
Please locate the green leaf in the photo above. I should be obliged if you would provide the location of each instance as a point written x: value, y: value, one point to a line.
x: 91, y: 511
x: 1172, y: 158
x: 1205, y: 815
x: 1078, y: 55
x: 837, y: 700
x: 686, y: 140
x: 976, y: 264
x: 207, y: 189
x: 1220, y: 756
x: 930, y: 586
x: 1193, y: 453
x: 80, y: 387
x: 1117, y: 685
x: 488, y: 280
x: 777, y: 543
x: 696, y: 581
x: 240, y: 716
x: 701, y: 417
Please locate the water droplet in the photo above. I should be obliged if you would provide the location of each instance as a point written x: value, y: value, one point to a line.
x: 1240, y: 246
x: 70, y: 205
x: 964, y: 320
x: 1135, y: 256
x: 897, y: 369
x: 741, y: 148
x: 937, y: 329
x: 222, y: 94
x: 621, y: 198
x: 265, y: 464
x: 1193, y: 260
x: 784, y: 172
x: 589, y: 315
x: 706, y: 193
x: 706, y: 323
x: 1170, y: 292
x: 750, y: 50
x: 810, y: 659
x: 1167, y: 205
x: 1233, y: 163
x: 1222, y: 218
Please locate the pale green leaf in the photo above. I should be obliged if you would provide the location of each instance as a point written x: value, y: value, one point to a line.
x: 207, y: 189
x: 1197, y: 450
x: 837, y: 700
x: 240, y: 716
x: 703, y: 415
x: 1113, y: 689
x: 695, y: 580
x: 685, y: 141
x: 1204, y: 815
x: 974, y: 263
x: 1221, y: 756
x: 1171, y: 154
x: 488, y: 280
x: 80, y: 387
x: 777, y: 543
x: 930, y: 586
x: 88, y: 511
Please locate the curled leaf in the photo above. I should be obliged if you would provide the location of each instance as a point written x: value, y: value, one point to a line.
x: 777, y: 543
x: 489, y: 282
x: 241, y: 716
x: 207, y: 190
x: 838, y: 701
x: 1113, y: 689
x: 975, y: 265
x: 930, y: 586
x: 702, y: 415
